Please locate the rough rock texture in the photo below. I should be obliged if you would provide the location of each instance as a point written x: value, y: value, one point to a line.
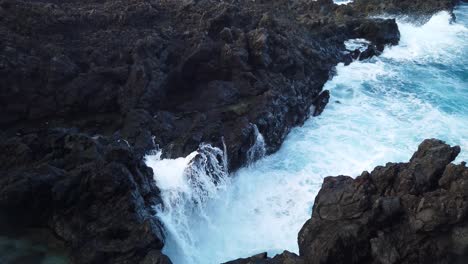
x: 185, y: 72
x: 411, y: 7
x: 284, y: 258
x: 88, y: 87
x: 415, y: 212
x: 93, y: 193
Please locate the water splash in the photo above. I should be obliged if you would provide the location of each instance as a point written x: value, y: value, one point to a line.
x: 257, y: 150
x: 343, y: 2
x: 186, y: 184
x: 387, y: 106
x: 359, y: 44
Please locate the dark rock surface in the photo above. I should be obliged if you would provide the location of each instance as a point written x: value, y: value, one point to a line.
x: 93, y: 193
x: 284, y: 258
x: 88, y: 87
x: 409, y: 7
x: 181, y: 72
x: 415, y: 212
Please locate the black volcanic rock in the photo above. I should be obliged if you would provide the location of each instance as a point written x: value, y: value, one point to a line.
x: 408, y: 7
x: 380, y: 32
x: 172, y: 73
x: 88, y: 87
x: 369, y: 53
x: 415, y: 212
x: 92, y: 192
x: 284, y: 258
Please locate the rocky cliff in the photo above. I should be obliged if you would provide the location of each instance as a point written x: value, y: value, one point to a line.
x: 414, y: 212
x: 181, y: 72
x: 88, y: 87
x: 93, y: 193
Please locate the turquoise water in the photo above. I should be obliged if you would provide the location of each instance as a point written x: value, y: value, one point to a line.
x: 380, y: 110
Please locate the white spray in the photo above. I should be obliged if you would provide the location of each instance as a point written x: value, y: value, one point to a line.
x: 186, y: 184
x: 388, y: 105
x: 258, y: 149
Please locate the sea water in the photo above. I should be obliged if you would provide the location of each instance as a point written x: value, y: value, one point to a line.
x: 379, y: 111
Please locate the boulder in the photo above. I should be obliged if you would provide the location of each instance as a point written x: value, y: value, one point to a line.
x: 91, y: 192
x: 411, y: 212
x: 414, y: 212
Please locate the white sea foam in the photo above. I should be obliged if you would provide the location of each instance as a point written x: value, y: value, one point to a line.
x: 186, y: 184
x: 360, y: 44
x: 258, y: 149
x: 343, y: 2
x: 170, y: 172
x: 433, y: 41
x: 379, y: 111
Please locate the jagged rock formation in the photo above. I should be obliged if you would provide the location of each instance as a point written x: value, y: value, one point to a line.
x: 185, y: 72
x: 93, y: 193
x: 81, y: 79
x: 415, y: 212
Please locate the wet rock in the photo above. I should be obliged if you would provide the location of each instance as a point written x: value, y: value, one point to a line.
x: 380, y: 32
x: 395, y: 214
x: 389, y: 216
x: 259, y: 258
x: 87, y: 88
x: 320, y: 102
x: 370, y: 52
x: 284, y: 258
x: 355, y: 53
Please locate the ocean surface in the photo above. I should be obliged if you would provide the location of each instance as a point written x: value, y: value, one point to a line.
x: 379, y: 111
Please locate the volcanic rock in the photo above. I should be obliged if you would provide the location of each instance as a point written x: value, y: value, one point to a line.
x: 173, y: 74
x: 87, y: 88
x: 414, y: 212
x: 92, y: 192
x: 411, y: 212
